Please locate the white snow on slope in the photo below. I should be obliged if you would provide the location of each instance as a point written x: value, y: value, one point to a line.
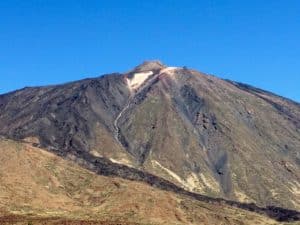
x: 138, y: 79
x: 168, y: 70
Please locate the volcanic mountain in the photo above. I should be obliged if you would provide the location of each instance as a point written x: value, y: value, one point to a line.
x: 171, y: 127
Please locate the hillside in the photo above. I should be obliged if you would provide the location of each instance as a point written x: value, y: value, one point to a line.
x: 209, y: 136
x: 38, y: 187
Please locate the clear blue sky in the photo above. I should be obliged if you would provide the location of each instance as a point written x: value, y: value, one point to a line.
x: 54, y: 41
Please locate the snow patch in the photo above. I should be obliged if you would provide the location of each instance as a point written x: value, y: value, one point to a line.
x: 138, y: 79
x: 168, y: 70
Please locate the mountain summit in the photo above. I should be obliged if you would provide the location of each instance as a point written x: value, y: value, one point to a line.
x: 152, y: 65
x: 206, y: 135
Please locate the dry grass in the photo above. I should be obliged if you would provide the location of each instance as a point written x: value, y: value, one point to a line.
x: 37, y: 187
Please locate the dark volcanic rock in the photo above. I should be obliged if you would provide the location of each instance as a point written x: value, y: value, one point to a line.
x: 219, y: 138
x: 63, y: 117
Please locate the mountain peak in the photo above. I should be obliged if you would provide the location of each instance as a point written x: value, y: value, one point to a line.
x: 194, y: 131
x: 149, y: 65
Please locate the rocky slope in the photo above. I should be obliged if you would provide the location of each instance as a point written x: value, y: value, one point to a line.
x: 207, y: 135
x: 38, y: 187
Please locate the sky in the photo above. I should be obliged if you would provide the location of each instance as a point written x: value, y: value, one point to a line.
x: 54, y: 41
